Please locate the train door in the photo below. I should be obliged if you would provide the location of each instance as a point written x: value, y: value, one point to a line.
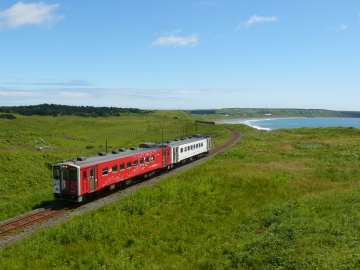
x: 64, y: 181
x: 84, y: 182
x: 92, y: 179
x: 164, y: 157
x: 175, y: 155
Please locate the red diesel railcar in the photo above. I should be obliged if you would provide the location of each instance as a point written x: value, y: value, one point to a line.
x: 75, y: 179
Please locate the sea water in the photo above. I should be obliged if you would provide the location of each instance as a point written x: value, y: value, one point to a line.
x: 297, y: 122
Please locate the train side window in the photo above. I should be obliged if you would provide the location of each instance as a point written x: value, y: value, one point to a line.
x: 185, y: 148
x: 105, y: 171
x: 136, y: 162
x: 73, y: 174
x: 129, y: 165
x: 142, y: 161
x: 114, y: 168
x: 152, y: 158
x: 122, y: 166
x: 84, y: 174
x: 181, y: 150
x: 147, y: 159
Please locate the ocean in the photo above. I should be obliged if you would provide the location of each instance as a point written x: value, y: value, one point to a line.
x: 297, y: 122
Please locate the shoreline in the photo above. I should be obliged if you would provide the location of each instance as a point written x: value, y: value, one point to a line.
x: 247, y: 121
x: 295, y: 122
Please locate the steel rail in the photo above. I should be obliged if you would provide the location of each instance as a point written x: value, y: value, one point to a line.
x: 31, y: 219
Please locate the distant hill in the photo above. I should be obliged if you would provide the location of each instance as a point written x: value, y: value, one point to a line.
x: 55, y: 110
x: 202, y: 112
x: 267, y: 113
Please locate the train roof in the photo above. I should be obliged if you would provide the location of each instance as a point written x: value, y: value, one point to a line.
x: 122, y: 152
x: 186, y: 140
x: 115, y: 154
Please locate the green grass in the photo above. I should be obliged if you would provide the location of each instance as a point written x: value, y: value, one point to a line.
x: 285, y: 199
x: 26, y: 172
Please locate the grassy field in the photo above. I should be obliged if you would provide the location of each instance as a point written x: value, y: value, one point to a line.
x: 284, y: 199
x: 26, y: 172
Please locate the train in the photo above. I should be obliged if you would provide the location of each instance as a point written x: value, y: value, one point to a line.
x: 78, y: 179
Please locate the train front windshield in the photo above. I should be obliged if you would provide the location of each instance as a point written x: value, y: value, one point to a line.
x: 56, y: 173
x: 65, y: 177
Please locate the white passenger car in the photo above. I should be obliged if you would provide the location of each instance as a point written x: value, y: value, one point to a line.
x: 189, y: 148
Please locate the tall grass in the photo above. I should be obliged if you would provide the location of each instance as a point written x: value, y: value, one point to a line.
x: 26, y: 172
x: 270, y: 202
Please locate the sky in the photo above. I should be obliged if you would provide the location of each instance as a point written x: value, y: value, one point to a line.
x: 181, y: 54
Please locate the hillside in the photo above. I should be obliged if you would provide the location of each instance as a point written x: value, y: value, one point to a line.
x: 282, y: 199
x: 64, y: 137
x: 266, y: 113
x: 55, y: 110
x: 288, y: 199
x: 212, y: 114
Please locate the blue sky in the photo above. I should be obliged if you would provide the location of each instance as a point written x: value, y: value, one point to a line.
x: 181, y: 54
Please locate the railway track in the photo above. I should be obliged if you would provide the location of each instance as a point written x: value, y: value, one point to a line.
x: 21, y: 223
x: 235, y: 137
x: 31, y: 219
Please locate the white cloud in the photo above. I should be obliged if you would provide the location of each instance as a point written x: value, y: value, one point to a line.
x: 118, y: 97
x: 188, y: 92
x: 72, y: 94
x: 175, y: 40
x: 22, y: 14
x: 257, y: 19
x: 343, y: 27
x: 17, y: 93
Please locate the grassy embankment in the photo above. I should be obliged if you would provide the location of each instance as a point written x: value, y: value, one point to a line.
x: 279, y: 199
x: 26, y: 172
